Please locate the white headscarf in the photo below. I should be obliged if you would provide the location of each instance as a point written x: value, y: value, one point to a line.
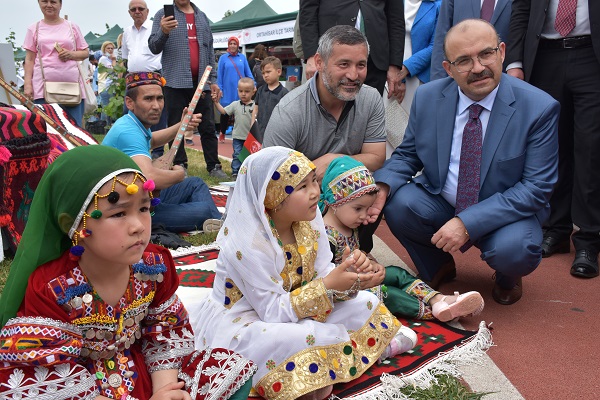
x: 247, y: 243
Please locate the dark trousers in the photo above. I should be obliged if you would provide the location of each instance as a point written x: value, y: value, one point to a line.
x: 572, y: 76
x: 414, y: 215
x: 175, y: 101
x: 375, y: 77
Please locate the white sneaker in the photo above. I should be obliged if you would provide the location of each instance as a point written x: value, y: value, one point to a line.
x: 211, y: 225
x: 405, y: 340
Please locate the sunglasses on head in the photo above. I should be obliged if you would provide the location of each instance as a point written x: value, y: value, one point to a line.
x: 138, y: 9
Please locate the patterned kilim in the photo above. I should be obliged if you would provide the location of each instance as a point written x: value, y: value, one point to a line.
x: 196, y: 276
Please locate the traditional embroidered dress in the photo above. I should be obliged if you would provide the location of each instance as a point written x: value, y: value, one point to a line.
x: 269, y: 302
x: 67, y: 342
x: 347, y: 179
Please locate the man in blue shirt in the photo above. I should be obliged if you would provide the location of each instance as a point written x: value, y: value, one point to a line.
x: 186, y: 203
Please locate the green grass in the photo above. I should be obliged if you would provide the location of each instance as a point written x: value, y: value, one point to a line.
x: 197, y: 167
x: 447, y: 388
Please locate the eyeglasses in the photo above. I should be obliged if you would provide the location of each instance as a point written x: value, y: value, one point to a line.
x: 138, y: 9
x: 466, y: 64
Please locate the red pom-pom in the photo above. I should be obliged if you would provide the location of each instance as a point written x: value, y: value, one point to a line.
x: 149, y: 185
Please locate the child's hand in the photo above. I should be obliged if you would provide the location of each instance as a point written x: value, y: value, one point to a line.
x: 171, y: 391
x: 344, y: 276
x: 215, y: 97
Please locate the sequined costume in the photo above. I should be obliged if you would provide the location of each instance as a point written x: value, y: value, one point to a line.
x: 68, y: 343
x: 403, y: 294
x: 269, y: 302
x: 59, y: 339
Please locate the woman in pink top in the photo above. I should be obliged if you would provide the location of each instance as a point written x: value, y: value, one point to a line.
x: 61, y: 46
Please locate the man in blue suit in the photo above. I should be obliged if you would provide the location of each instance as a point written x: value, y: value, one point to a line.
x: 454, y: 11
x: 518, y: 150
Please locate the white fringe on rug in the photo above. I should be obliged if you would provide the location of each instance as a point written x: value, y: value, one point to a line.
x: 447, y: 363
x: 184, y: 251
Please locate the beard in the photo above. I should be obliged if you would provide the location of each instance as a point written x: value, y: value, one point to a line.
x: 338, y: 90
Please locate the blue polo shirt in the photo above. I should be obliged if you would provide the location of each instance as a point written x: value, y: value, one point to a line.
x: 130, y: 136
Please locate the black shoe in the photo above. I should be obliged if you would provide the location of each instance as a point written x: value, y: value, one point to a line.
x: 585, y: 264
x: 552, y: 245
x: 507, y: 297
x: 446, y: 273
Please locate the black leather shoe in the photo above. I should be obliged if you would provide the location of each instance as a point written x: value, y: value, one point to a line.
x: 508, y: 296
x: 446, y: 273
x: 552, y: 245
x: 585, y: 264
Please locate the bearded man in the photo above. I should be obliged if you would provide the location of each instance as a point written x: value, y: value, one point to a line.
x: 333, y: 114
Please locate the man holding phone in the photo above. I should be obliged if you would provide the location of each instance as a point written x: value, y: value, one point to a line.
x: 186, y: 43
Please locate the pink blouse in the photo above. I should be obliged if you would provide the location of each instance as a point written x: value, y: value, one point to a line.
x: 55, y: 70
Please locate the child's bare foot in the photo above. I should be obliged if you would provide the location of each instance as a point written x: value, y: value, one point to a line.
x: 446, y: 308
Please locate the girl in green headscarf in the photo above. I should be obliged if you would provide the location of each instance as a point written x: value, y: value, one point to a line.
x: 89, y: 309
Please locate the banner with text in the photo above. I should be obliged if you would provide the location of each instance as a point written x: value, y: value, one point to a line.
x: 256, y: 34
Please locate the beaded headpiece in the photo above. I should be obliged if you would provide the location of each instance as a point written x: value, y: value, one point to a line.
x: 345, y: 179
x: 113, y: 197
x: 134, y: 79
x: 285, y: 178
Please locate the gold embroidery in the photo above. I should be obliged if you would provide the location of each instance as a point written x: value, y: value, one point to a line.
x: 232, y: 294
x: 311, y: 301
x: 321, y: 366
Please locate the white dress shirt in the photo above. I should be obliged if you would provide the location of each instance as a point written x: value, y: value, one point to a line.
x: 135, y: 49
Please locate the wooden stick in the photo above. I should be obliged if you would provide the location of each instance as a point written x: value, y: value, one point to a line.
x: 166, y: 160
x: 31, y: 106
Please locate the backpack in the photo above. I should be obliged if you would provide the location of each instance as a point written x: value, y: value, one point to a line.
x: 256, y: 71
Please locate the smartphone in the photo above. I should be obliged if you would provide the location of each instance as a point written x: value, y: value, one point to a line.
x: 57, y: 47
x: 169, y: 10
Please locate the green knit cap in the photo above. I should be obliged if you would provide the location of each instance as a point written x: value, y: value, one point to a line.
x: 67, y: 187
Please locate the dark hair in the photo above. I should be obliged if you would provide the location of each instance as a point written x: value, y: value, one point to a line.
x: 340, y: 34
x: 132, y: 93
x: 260, y: 52
x: 274, y: 61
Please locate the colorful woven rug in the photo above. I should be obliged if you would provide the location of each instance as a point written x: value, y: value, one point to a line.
x: 196, y: 267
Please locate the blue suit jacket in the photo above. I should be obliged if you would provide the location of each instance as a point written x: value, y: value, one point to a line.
x: 454, y: 11
x: 519, y: 155
x: 421, y: 36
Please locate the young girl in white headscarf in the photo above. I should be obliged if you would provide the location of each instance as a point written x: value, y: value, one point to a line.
x: 277, y: 297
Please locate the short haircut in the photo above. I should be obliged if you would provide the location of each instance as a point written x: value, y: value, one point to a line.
x: 340, y: 34
x: 132, y: 93
x: 463, y: 26
x: 274, y: 61
x: 246, y: 81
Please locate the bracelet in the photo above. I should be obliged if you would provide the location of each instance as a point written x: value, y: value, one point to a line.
x: 341, y: 295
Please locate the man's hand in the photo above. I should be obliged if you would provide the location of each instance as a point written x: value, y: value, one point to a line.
x: 451, y: 236
x: 194, y: 121
x: 377, y: 207
x: 394, y: 79
x: 215, y: 90
x: 311, y: 68
x: 167, y: 24
x: 322, y: 163
x: 517, y: 73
